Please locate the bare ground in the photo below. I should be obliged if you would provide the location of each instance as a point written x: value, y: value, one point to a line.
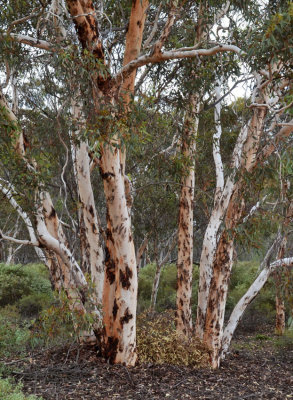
x: 255, y: 369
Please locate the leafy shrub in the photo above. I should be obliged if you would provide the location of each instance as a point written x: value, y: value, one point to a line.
x: 33, y: 304
x: 8, y: 391
x: 28, y: 287
x: 58, y: 323
x: 14, y: 332
x: 158, y: 342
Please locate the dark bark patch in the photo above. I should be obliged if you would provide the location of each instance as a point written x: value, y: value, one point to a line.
x: 111, y: 349
x: 107, y: 175
x: 91, y: 211
x: 126, y: 317
x: 125, y: 277
x: 109, y: 235
x: 52, y: 213
x: 110, y: 267
x: 115, y: 309
x: 94, y: 228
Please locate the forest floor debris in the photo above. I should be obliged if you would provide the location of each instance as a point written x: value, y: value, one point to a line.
x: 260, y: 366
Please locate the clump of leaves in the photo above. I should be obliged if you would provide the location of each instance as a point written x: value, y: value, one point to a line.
x: 159, y: 343
x: 60, y: 324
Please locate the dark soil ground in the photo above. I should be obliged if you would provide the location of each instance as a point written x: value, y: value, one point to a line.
x: 258, y: 367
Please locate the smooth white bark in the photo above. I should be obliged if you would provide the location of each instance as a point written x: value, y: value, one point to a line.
x: 245, y: 300
x: 9, y: 195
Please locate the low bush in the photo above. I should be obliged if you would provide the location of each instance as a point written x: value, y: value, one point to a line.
x: 10, y: 391
x: 28, y: 287
x: 14, y: 332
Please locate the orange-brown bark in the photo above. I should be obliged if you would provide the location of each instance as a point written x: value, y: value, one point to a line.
x: 133, y: 43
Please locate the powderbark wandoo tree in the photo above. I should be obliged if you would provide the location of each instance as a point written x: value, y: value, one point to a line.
x: 119, y: 292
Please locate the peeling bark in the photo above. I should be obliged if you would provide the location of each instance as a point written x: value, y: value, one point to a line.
x: 91, y: 235
x: 121, y: 273
x: 183, y: 317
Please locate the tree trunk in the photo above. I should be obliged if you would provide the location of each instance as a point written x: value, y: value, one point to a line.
x: 217, y: 298
x: 121, y: 273
x: 73, y: 281
x: 120, y: 285
x: 245, y: 300
x: 214, y: 277
x: 280, y: 324
x: 155, y: 287
x: 183, y: 317
x: 92, y: 245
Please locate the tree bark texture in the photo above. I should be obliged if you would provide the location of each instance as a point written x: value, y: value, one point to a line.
x: 183, y: 318
x: 120, y: 284
x: 91, y: 244
x: 223, y: 261
x: 216, y: 263
x: 121, y: 272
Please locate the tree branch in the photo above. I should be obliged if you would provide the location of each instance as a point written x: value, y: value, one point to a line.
x: 33, y: 42
x: 19, y: 241
x: 168, y: 55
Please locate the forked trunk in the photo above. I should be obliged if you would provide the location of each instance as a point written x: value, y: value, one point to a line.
x: 215, y: 275
x: 120, y: 284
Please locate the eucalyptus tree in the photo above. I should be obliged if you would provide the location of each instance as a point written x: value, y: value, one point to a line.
x: 91, y: 52
x: 106, y: 84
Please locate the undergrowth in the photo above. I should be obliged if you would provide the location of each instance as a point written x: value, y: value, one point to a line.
x: 10, y: 391
x: 159, y: 343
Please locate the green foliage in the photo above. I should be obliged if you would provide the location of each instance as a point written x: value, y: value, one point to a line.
x: 243, y: 275
x: 158, y: 342
x: 14, y: 332
x: 167, y: 288
x: 28, y: 287
x: 59, y: 324
x: 262, y: 337
x: 10, y: 391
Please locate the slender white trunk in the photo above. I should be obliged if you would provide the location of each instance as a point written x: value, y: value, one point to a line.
x: 92, y: 234
x: 28, y: 224
x: 185, y: 225
x: 159, y: 266
x: 245, y: 300
x: 90, y: 241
